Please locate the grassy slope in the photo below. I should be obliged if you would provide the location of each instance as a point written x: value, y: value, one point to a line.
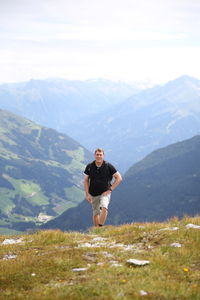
x: 40, y: 171
x: 44, y: 263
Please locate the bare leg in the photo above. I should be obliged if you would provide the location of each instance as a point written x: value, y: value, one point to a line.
x: 103, y: 215
x: 96, y: 220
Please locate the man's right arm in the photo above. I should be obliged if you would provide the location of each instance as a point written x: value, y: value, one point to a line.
x: 86, y: 187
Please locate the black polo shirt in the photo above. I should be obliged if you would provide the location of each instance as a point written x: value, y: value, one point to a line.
x: 99, y: 177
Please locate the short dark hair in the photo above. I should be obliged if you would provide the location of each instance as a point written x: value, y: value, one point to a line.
x: 99, y: 150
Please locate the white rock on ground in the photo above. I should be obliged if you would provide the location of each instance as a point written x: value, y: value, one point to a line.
x: 143, y: 293
x: 99, y: 238
x: 106, y: 254
x: 9, y: 256
x: 192, y: 226
x: 116, y: 265
x: 169, y: 228
x: 96, y: 245
x: 176, y: 245
x: 79, y: 269
x: 137, y: 262
x: 12, y: 241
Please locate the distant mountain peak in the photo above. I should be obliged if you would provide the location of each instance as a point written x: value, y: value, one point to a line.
x: 184, y: 79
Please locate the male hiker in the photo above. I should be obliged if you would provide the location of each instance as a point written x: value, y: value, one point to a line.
x: 98, y: 185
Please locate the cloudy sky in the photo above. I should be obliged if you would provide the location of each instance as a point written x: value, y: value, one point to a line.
x: 128, y: 40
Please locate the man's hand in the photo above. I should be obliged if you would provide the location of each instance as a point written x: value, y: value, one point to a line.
x: 88, y: 198
x: 106, y: 193
x: 86, y: 187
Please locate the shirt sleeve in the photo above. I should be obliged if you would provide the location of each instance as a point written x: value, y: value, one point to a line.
x: 87, y: 170
x: 112, y: 169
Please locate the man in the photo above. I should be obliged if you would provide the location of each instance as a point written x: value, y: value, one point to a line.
x: 98, y: 186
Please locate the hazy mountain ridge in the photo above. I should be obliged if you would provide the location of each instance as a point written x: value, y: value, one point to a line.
x: 40, y: 171
x: 127, y: 122
x: 151, y: 119
x: 56, y: 102
x: 162, y: 185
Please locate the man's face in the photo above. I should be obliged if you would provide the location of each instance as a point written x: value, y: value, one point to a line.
x: 99, y: 156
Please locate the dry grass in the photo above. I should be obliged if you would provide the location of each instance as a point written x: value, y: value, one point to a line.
x: 44, y: 263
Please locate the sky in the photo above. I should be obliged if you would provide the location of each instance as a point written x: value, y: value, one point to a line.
x: 122, y: 40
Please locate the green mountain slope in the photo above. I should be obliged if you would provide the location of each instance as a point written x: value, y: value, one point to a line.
x: 40, y: 172
x: 162, y: 185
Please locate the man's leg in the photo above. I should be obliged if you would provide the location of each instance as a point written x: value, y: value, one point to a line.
x: 104, y: 202
x: 96, y: 210
x: 103, y: 216
x: 96, y: 220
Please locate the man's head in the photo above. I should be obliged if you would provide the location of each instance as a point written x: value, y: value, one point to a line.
x: 99, y: 155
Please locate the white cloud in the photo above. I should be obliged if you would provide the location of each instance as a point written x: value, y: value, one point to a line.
x: 119, y: 39
x: 60, y: 32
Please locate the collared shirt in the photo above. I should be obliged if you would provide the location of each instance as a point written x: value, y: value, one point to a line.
x: 99, y: 177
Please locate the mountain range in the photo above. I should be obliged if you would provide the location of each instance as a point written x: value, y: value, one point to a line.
x: 40, y: 172
x: 144, y: 122
x: 127, y: 121
x: 162, y: 185
x: 56, y: 103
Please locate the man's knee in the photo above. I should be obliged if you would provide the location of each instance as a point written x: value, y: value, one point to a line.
x: 104, y: 208
x: 96, y: 213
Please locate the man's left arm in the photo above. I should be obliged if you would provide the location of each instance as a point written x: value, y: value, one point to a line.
x: 117, y: 179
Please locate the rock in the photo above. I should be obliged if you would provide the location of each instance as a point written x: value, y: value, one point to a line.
x: 79, y: 269
x: 116, y: 264
x: 150, y: 247
x: 143, y: 293
x: 90, y: 256
x: 96, y: 245
x: 106, y: 254
x: 86, y: 245
x: 137, y: 262
x: 100, y: 264
x: 12, y: 241
x: 114, y: 245
x: 128, y: 247
x: 176, y: 245
x: 99, y: 238
x: 169, y: 228
x: 192, y: 226
x: 9, y: 256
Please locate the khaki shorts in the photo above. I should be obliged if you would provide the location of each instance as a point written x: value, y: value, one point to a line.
x: 98, y: 202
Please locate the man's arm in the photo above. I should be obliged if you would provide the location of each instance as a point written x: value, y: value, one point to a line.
x: 86, y: 188
x: 117, y: 179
